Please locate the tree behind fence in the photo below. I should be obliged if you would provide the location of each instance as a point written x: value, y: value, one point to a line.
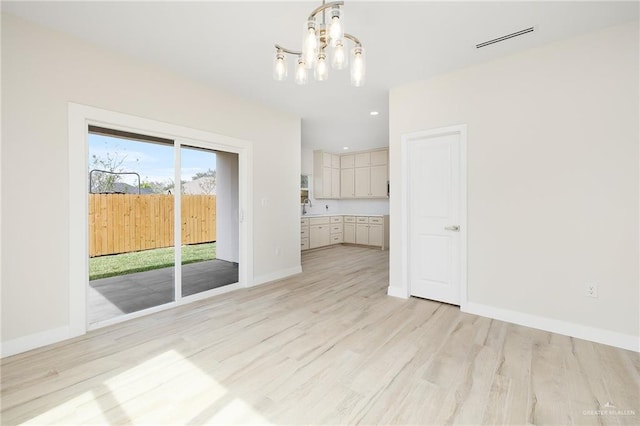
x: 122, y: 223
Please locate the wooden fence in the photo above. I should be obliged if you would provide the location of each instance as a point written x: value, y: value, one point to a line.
x: 122, y: 223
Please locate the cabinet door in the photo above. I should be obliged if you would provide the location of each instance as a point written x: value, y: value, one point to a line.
x: 326, y: 159
x: 379, y: 158
x: 325, y: 235
x: 375, y: 235
x: 319, y: 236
x: 349, y: 233
x: 326, y: 182
x: 378, y: 181
x: 347, y: 161
x: 362, y: 233
x: 335, y: 161
x: 347, y: 183
x: 363, y: 159
x: 335, y: 183
x: 362, y: 181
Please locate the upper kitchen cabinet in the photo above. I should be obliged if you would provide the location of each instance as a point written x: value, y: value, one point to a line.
x: 371, y: 174
x: 326, y: 171
x: 355, y: 175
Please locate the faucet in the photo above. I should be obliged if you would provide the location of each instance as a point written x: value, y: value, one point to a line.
x: 304, y: 205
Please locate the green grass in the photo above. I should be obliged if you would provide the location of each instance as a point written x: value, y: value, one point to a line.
x: 127, y: 263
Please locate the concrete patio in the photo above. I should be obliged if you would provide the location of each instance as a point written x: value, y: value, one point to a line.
x: 115, y: 296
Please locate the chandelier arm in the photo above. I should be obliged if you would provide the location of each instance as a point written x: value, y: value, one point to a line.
x: 326, y: 6
x: 354, y: 39
x: 289, y: 51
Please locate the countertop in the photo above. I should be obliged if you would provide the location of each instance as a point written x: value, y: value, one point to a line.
x: 340, y: 214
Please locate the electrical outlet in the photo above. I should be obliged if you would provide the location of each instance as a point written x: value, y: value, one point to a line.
x: 591, y: 290
x: 277, y: 251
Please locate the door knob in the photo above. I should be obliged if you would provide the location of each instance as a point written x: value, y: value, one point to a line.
x: 452, y: 228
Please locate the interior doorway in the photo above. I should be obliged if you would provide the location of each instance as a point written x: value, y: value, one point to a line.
x: 436, y: 214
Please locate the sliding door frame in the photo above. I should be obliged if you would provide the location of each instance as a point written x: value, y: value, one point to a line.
x: 80, y: 117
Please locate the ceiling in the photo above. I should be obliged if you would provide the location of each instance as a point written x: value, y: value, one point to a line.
x: 229, y: 45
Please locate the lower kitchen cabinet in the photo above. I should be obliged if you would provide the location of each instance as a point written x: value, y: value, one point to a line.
x: 362, y: 230
x: 304, y: 234
x: 349, y: 234
x: 319, y: 236
x: 375, y: 235
x: 362, y: 234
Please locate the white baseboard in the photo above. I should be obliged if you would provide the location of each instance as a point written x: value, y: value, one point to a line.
x: 397, y: 292
x: 598, y: 335
x: 277, y: 275
x: 37, y: 340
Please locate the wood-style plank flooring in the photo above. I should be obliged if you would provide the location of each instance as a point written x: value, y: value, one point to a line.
x: 324, y: 347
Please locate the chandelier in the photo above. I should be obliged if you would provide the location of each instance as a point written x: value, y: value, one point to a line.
x: 318, y: 39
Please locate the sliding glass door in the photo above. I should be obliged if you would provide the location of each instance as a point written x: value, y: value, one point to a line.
x: 137, y: 193
x: 206, y: 225
x: 131, y: 223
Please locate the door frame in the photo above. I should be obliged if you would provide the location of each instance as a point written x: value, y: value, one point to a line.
x: 406, y: 140
x: 80, y: 116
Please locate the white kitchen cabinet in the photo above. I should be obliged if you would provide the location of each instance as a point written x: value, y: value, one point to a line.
x: 363, y: 159
x: 347, y: 161
x: 362, y: 184
x: 370, y: 181
x: 326, y: 186
x: 321, y: 231
x: 362, y: 233
x: 347, y: 183
x: 326, y: 159
x: 375, y: 235
x: 379, y: 158
x: 335, y: 183
x: 319, y: 236
x: 372, y: 231
x: 349, y: 233
x: 358, y: 175
x: 326, y: 175
x: 378, y: 181
x: 336, y: 229
x: 304, y: 234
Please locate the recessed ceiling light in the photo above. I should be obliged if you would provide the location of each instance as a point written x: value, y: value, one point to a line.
x: 374, y: 113
x: 345, y: 147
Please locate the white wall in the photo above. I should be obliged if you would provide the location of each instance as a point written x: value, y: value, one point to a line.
x: 552, y: 179
x: 43, y: 70
x: 227, y: 224
x: 361, y: 206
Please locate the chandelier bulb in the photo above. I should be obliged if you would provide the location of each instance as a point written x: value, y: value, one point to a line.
x: 321, y: 71
x: 358, y: 68
x: 310, y: 43
x: 336, y: 30
x: 301, y: 72
x: 280, y: 66
x: 339, y: 58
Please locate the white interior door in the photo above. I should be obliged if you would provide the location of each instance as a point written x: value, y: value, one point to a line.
x: 434, y: 200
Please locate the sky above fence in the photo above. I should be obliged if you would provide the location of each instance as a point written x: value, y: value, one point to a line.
x: 153, y: 162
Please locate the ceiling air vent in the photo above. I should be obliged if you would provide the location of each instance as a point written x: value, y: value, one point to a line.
x: 505, y: 37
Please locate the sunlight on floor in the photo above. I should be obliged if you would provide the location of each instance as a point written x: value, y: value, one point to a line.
x: 166, y: 389
x: 237, y: 412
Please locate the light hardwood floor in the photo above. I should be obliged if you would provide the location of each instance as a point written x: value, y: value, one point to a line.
x: 325, y: 347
